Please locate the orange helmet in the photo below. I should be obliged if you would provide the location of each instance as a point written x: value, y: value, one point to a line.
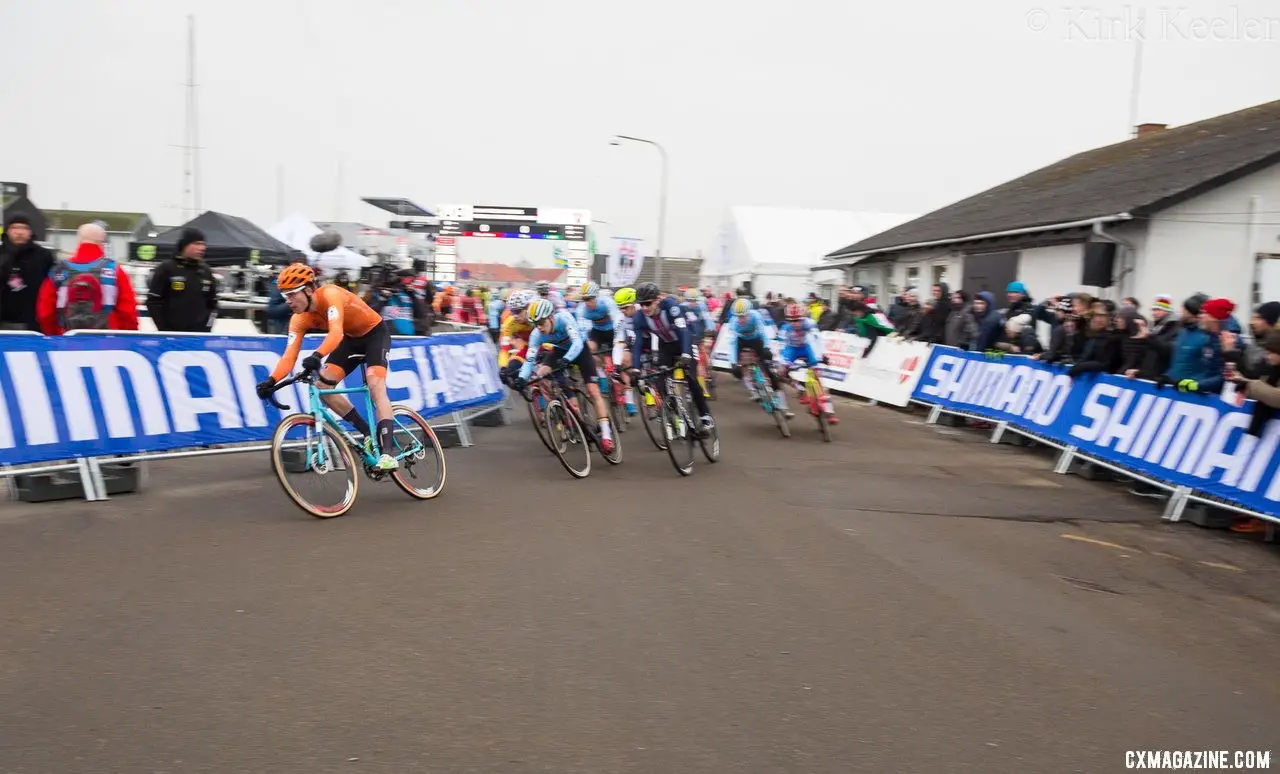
x: 295, y: 275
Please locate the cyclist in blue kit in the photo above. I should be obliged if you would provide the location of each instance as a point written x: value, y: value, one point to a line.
x: 665, y: 319
x: 607, y: 332
x: 752, y: 333
x: 560, y: 330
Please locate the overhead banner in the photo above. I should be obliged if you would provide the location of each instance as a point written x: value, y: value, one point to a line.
x: 90, y: 394
x: 1197, y: 441
x: 887, y: 373
x: 626, y: 258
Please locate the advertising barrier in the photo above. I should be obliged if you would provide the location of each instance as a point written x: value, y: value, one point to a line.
x: 887, y: 374
x: 1200, y: 442
x: 91, y: 394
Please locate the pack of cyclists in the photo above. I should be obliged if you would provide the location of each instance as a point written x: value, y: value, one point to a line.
x: 536, y: 330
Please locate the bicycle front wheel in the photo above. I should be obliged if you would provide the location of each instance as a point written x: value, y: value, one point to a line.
x: 537, y: 414
x: 307, y: 460
x: 422, y: 471
x: 651, y: 415
x: 816, y: 401
x: 679, y: 436
x: 568, y: 440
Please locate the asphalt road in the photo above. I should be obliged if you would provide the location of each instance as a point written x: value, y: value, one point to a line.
x: 906, y: 599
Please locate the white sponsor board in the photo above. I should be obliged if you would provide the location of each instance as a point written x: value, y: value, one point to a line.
x: 888, y: 373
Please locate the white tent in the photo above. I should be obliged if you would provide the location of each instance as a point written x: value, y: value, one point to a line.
x: 773, y: 247
x: 296, y: 231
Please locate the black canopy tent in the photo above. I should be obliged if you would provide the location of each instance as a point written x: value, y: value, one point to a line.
x: 229, y: 241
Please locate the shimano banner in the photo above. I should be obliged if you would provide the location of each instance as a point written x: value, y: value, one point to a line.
x: 91, y: 394
x: 1198, y: 441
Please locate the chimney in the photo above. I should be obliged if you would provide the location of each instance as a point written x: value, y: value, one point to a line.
x: 1145, y: 130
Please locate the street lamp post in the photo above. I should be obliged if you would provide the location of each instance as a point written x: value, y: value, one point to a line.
x: 662, y: 201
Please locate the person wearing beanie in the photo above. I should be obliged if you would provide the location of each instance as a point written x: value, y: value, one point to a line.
x: 87, y: 290
x: 1197, y: 363
x: 183, y: 295
x: 1156, y: 339
x: 1249, y: 354
x: 1019, y: 301
x: 24, y: 264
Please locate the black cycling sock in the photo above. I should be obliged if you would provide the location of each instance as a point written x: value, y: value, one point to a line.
x: 386, y: 436
x: 357, y: 422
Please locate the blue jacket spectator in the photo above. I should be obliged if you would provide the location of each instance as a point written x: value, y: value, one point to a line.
x: 1197, y: 363
x: 990, y: 321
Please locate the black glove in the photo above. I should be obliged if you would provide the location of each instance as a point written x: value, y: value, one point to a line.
x: 518, y: 383
x: 826, y: 360
x: 265, y: 388
x: 311, y: 362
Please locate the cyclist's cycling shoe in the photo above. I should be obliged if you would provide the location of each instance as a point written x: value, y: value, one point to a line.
x: 606, y: 445
x: 387, y: 462
x: 788, y: 413
x: 707, y: 424
x: 631, y: 409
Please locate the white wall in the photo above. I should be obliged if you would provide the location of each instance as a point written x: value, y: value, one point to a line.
x: 1048, y: 271
x: 1205, y: 244
x: 921, y: 269
x: 64, y: 242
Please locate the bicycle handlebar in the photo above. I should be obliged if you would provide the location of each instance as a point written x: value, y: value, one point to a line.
x: 656, y: 373
x: 305, y: 377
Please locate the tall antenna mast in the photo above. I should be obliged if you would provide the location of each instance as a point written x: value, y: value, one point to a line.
x: 191, y: 148
x: 1135, y: 88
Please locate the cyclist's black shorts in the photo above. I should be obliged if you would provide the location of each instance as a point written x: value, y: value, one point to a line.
x: 372, y: 349
x: 764, y: 352
x: 602, y: 339
x: 585, y: 362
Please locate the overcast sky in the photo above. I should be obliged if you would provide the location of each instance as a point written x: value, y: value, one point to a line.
x: 896, y: 106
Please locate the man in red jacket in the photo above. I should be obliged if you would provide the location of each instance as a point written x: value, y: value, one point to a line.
x: 87, y: 291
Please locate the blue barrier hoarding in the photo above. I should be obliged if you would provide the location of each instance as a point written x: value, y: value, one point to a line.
x: 86, y: 395
x: 1198, y: 441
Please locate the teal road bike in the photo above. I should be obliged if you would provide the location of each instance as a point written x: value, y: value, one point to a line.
x: 314, y: 450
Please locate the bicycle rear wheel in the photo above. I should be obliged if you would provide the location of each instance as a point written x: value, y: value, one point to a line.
x: 568, y: 440
x: 421, y: 474
x: 319, y: 459
x: 679, y: 435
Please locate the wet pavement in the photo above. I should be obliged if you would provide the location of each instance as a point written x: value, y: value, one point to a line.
x: 907, y: 598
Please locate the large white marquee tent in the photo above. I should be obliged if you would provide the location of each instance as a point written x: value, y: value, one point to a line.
x: 773, y: 247
x: 296, y: 231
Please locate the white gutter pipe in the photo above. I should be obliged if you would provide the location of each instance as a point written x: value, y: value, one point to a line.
x: 853, y: 258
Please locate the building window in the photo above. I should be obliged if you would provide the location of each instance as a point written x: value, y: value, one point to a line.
x: 939, y: 273
x: 913, y: 276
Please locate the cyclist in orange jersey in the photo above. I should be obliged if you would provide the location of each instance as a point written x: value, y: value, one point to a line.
x: 355, y: 334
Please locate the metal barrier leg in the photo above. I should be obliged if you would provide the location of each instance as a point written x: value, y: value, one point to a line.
x: 1064, y: 461
x: 934, y: 414
x: 89, y: 481
x: 998, y: 432
x: 464, y: 430
x: 1176, y: 504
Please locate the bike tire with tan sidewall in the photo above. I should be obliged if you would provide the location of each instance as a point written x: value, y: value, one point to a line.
x: 338, y: 442
x: 432, y: 446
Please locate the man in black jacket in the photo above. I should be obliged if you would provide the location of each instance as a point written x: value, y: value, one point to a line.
x: 24, y: 266
x: 184, y: 294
